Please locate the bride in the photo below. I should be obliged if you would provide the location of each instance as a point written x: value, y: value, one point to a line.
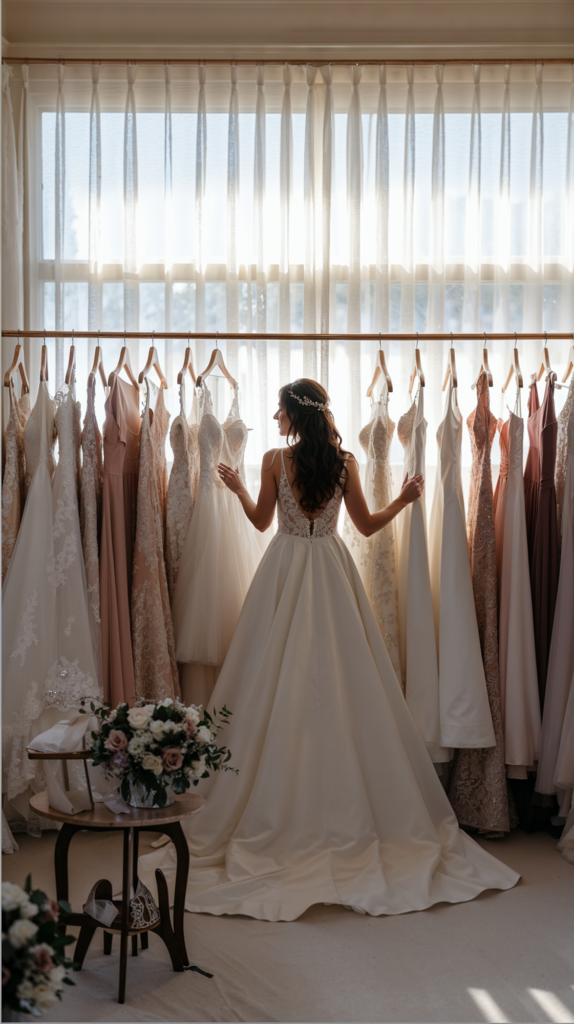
x: 336, y: 799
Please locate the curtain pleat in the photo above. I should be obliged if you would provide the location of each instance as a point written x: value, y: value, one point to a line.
x: 94, y: 200
x: 309, y: 279
x: 534, y: 305
x: 503, y: 236
x: 408, y: 265
x: 200, y: 180
x: 567, y: 298
x: 382, y: 271
x: 328, y: 182
x: 285, y: 193
x: 354, y: 196
x: 259, y: 239
x: 168, y: 227
x: 12, y: 282
x: 435, y: 317
x: 472, y: 271
x: 232, y: 280
x: 131, y: 281
x: 60, y: 212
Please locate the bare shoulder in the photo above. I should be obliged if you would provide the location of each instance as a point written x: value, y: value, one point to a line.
x: 269, y: 460
x: 352, y: 468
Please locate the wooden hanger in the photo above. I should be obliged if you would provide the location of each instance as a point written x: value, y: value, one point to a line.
x: 152, y: 363
x: 380, y: 368
x: 451, y: 366
x: 187, y: 365
x: 216, y: 360
x: 570, y: 363
x: 514, y: 368
x: 18, y: 364
x: 484, y: 367
x: 545, y: 367
x: 124, y: 363
x: 71, y: 362
x: 417, y: 368
x: 98, y: 365
x: 44, y: 361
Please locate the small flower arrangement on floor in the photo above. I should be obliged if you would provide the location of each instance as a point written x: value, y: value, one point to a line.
x: 34, y: 967
x: 157, y: 749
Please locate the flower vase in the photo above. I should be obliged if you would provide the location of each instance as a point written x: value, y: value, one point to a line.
x: 143, y: 798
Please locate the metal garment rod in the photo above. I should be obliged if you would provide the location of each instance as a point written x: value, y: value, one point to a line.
x: 215, y: 335
x: 253, y: 62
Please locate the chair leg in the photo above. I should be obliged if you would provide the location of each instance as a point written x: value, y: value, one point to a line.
x: 144, y: 940
x: 83, y: 944
x: 134, y: 945
x: 108, y: 939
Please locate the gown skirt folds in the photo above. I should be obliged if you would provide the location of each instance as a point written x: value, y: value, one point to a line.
x: 336, y: 799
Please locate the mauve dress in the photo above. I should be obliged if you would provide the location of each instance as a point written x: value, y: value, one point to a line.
x: 541, y: 521
x: 119, y: 504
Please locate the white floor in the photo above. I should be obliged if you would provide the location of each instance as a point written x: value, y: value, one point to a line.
x: 503, y: 957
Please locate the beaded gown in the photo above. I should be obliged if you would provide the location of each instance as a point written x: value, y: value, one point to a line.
x: 336, y: 799
x: 91, y: 513
x: 376, y: 556
x: 182, y: 488
x: 478, y: 791
x: 14, y: 474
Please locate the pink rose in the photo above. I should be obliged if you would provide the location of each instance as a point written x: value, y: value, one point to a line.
x: 190, y: 726
x: 172, y: 759
x: 42, y: 960
x: 52, y: 911
x: 117, y: 740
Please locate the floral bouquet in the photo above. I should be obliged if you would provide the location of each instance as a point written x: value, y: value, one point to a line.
x: 156, y: 750
x: 34, y: 967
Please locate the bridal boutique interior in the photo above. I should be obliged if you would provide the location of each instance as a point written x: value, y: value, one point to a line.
x: 200, y: 204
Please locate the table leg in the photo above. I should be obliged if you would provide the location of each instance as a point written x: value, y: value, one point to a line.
x: 126, y: 895
x: 65, y: 836
x: 182, y: 872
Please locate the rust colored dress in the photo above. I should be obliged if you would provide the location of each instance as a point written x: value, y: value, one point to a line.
x: 155, y: 667
x: 119, y: 503
x: 478, y: 791
x: 541, y: 521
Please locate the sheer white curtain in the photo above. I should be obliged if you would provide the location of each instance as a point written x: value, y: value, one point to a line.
x: 283, y: 199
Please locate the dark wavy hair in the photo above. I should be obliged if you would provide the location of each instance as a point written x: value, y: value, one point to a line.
x: 319, y: 460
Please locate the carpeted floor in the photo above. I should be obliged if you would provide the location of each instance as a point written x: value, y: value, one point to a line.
x: 503, y: 957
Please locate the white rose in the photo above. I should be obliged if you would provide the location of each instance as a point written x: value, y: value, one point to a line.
x: 44, y: 996
x: 28, y: 909
x: 138, y: 717
x: 203, y: 734
x: 12, y: 897
x: 193, y: 713
x: 198, y: 767
x: 157, y: 728
x: 154, y: 764
x: 169, y: 727
x: 112, y: 716
x: 21, y: 932
x: 26, y: 990
x: 166, y: 703
x: 57, y: 975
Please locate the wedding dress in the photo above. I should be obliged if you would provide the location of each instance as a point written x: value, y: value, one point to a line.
x: 91, y: 514
x: 464, y: 710
x: 219, y: 558
x: 48, y: 659
x: 182, y: 488
x: 416, y: 616
x: 155, y: 669
x: 336, y: 799
x: 376, y: 556
x: 520, y: 703
x: 14, y: 474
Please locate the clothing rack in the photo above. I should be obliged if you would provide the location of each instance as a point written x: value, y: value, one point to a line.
x: 278, y: 62
x: 230, y: 336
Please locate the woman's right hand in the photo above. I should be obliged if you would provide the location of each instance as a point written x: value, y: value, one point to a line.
x: 412, y: 489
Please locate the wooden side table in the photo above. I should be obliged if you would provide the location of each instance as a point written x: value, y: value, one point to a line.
x: 101, y: 819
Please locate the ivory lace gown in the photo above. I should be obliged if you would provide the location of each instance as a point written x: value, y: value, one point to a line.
x: 336, y: 799
x: 376, y: 556
x: 478, y: 791
x: 91, y: 513
x: 416, y: 616
x: 14, y: 476
x: 182, y: 488
x: 220, y: 556
x: 48, y: 660
x: 153, y: 644
x: 464, y: 710
x: 520, y: 703
x: 558, y: 720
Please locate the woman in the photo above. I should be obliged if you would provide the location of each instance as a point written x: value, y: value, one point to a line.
x: 336, y: 799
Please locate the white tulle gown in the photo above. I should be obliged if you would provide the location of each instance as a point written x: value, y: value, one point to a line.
x: 336, y: 799
x: 220, y: 555
x: 48, y: 650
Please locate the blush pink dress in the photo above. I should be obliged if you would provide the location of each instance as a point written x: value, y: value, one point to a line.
x: 119, y: 504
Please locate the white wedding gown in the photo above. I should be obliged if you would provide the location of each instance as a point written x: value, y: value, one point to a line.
x: 219, y: 557
x: 336, y: 799
x: 48, y: 650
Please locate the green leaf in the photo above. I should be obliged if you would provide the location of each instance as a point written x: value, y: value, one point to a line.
x: 28, y: 884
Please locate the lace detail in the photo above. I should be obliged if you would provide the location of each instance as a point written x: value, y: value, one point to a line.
x: 291, y: 520
x: 65, y: 548
x: 65, y: 685
x: 91, y: 505
x: 220, y: 442
x: 14, y: 481
x: 478, y: 790
x: 376, y: 555
x: 20, y: 771
x: 153, y: 644
x: 181, y: 490
x: 27, y: 636
x: 564, y: 448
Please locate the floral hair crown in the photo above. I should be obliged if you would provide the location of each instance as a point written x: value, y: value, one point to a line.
x: 323, y: 406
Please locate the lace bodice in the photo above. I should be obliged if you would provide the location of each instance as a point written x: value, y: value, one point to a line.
x: 220, y: 442
x: 91, y: 503
x: 375, y: 439
x: 291, y: 520
x: 14, y: 478
x: 412, y: 435
x: 68, y: 423
x: 564, y: 451
x: 182, y: 488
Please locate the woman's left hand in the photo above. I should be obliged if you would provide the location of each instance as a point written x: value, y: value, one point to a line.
x: 230, y: 478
